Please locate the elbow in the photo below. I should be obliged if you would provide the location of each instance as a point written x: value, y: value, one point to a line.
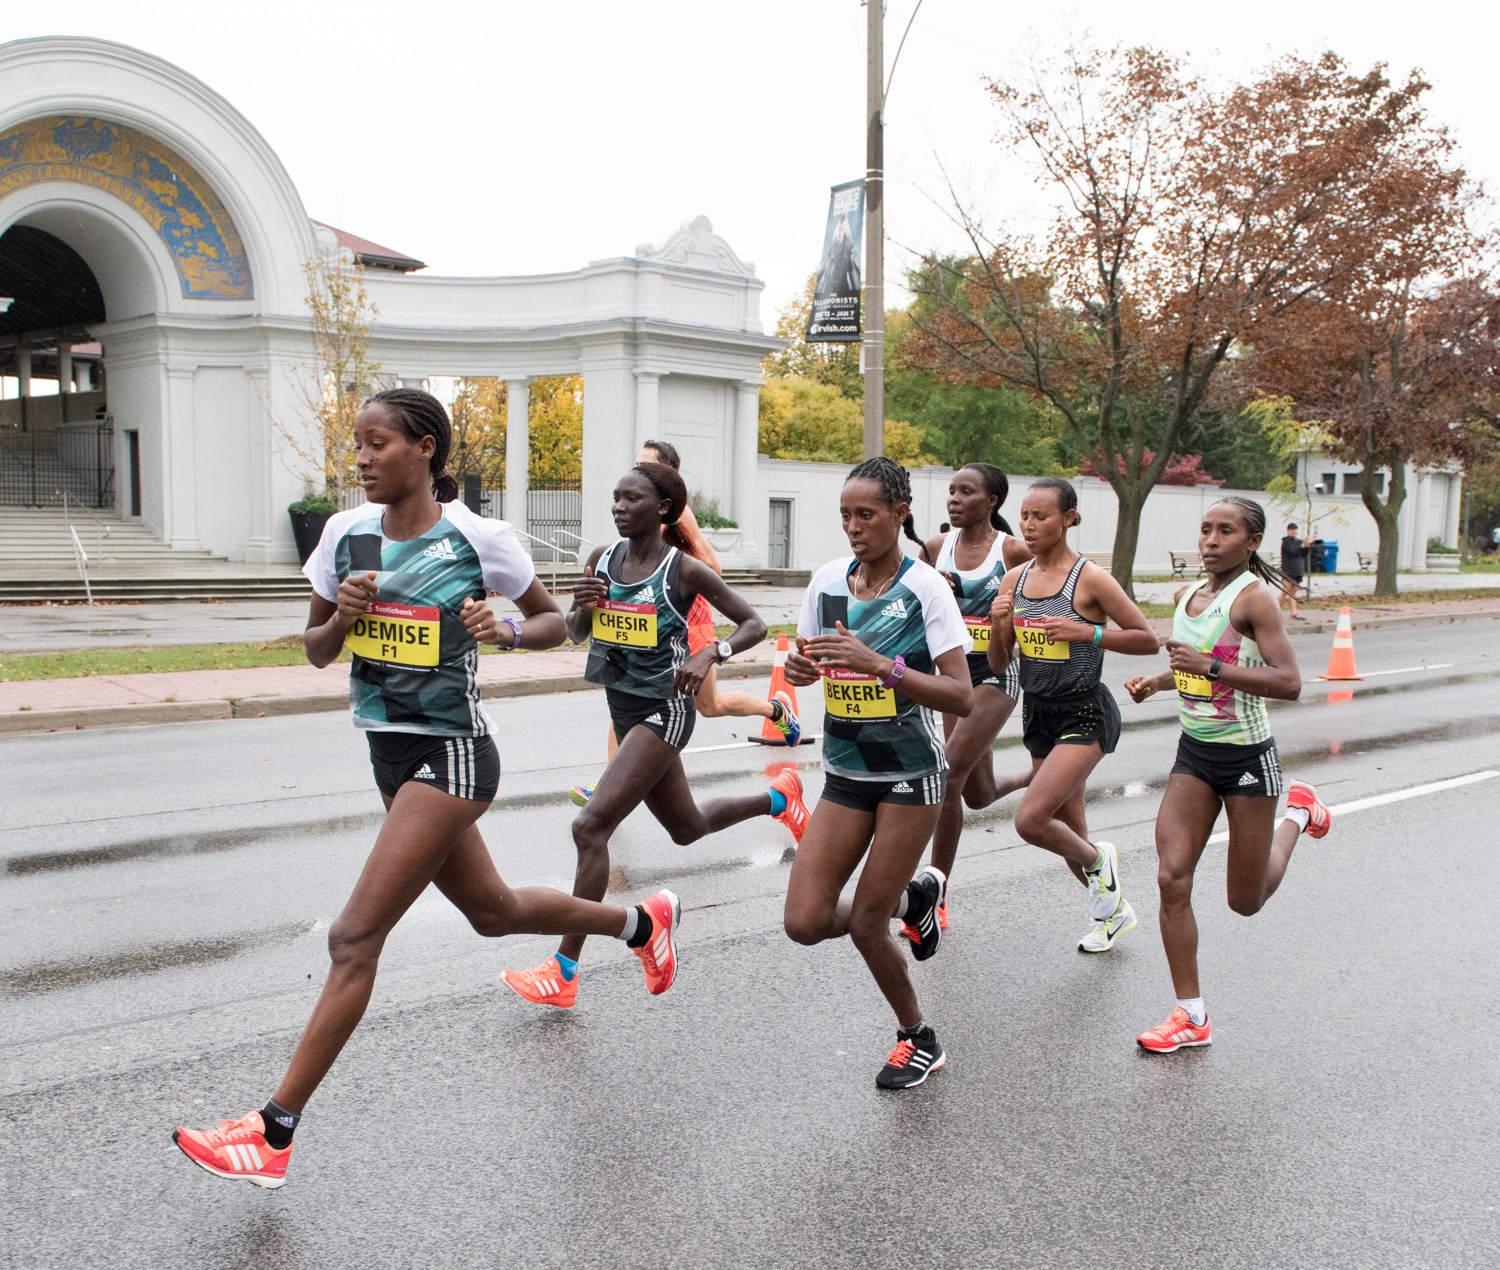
x: 963, y: 702
x: 755, y: 628
x: 1293, y: 690
x: 553, y: 629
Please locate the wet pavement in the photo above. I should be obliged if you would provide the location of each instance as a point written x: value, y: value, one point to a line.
x: 165, y: 893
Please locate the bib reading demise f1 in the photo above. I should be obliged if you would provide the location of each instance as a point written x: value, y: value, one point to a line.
x: 399, y: 634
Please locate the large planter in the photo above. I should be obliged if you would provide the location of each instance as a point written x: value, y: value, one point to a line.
x: 307, y: 528
x: 1442, y: 562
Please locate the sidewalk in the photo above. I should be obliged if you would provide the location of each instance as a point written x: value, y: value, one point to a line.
x: 65, y: 704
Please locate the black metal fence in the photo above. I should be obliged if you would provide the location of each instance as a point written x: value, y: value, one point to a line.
x: 37, y: 464
x: 554, y: 511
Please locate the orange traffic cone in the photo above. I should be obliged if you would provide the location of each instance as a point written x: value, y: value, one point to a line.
x: 770, y: 734
x: 1341, y: 660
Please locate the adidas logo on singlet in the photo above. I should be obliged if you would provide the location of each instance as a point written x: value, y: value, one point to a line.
x: 440, y: 550
x: 424, y: 773
x: 901, y: 787
x: 993, y: 584
x: 643, y: 596
x: 896, y: 608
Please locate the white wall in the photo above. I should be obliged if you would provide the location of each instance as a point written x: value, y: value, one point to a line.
x: 1170, y: 522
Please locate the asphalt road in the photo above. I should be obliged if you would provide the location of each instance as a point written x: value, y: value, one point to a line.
x: 164, y: 893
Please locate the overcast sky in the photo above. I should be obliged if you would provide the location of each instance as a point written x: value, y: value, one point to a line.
x: 505, y: 137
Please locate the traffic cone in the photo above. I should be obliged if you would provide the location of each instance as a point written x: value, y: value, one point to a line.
x: 1341, y: 660
x: 770, y: 734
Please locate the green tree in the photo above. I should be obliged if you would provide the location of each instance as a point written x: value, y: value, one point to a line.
x: 836, y: 365
x: 557, y: 427
x: 803, y: 419
x: 478, y: 414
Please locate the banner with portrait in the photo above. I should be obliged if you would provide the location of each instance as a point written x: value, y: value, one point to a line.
x: 835, y: 306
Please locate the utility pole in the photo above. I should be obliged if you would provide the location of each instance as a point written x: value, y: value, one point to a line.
x: 874, y: 275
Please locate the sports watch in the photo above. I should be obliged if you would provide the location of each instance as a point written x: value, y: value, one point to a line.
x: 1214, y: 666
x: 724, y: 650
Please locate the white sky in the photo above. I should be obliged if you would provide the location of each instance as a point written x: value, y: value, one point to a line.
x: 508, y: 137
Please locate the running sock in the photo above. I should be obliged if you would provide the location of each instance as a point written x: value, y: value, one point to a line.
x: 1299, y: 816
x: 567, y: 965
x: 1195, y: 1008
x: 776, y: 712
x: 638, y: 927
x: 907, y: 1033
x: 1097, y: 864
x: 904, y: 902
x: 778, y: 802
x: 280, y: 1125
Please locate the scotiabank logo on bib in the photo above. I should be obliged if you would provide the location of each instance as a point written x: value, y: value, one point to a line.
x: 400, y: 634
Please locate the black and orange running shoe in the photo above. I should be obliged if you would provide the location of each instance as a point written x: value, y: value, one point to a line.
x: 913, y: 1060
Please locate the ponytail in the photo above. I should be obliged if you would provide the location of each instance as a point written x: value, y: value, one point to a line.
x: 445, y: 488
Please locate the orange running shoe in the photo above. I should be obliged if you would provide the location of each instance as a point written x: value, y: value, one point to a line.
x: 236, y: 1149
x: 1319, y: 818
x: 659, y: 953
x: 1178, y: 1032
x: 943, y: 914
x: 795, y: 816
x: 543, y: 986
x: 913, y: 934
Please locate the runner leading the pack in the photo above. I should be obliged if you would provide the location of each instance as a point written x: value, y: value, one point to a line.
x: 1056, y: 610
x: 882, y: 632
x: 973, y: 556
x: 401, y: 583
x: 1229, y: 654
x: 633, y: 603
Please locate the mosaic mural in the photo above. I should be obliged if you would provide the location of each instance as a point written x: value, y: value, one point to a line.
x: 160, y: 185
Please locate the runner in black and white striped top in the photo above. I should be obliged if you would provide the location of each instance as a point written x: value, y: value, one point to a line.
x: 1055, y: 610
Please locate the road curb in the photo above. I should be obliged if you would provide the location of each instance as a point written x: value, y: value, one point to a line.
x: 146, y: 712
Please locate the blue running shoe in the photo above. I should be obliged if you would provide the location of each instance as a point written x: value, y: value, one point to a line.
x: 788, y: 725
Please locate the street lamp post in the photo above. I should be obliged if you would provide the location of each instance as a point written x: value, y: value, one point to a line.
x: 874, y: 278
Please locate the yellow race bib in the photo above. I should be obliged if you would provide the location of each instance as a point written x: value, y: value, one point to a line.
x: 847, y: 695
x: 1032, y: 637
x: 633, y: 625
x: 1199, y: 686
x: 397, y: 634
x: 979, y: 632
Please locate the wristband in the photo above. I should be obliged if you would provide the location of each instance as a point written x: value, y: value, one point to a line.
x: 1098, y: 634
x: 516, y: 627
x: 898, y: 668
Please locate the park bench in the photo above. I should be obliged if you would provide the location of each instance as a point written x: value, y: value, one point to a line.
x: 1366, y: 563
x: 1101, y: 558
x: 1183, y: 561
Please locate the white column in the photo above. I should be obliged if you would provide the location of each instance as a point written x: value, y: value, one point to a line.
x: 407, y: 382
x: 746, y: 447
x: 64, y: 366
x: 608, y: 433
x: 179, y: 466
x: 1422, y: 496
x: 259, y: 547
x: 517, y: 449
x: 23, y: 371
x: 85, y: 372
x: 647, y: 407
x: 1454, y: 529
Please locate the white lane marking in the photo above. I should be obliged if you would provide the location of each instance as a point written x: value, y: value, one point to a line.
x: 740, y: 745
x: 1404, y: 670
x: 1395, y: 796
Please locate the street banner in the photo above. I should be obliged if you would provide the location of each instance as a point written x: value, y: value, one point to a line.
x: 835, y: 307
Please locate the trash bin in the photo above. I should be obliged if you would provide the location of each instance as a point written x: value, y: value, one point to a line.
x: 1315, y: 556
x: 1330, y: 557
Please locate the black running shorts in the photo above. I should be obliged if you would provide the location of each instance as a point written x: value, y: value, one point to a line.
x: 1090, y: 718
x: 982, y: 674
x: 1247, y: 771
x: 464, y: 766
x: 918, y: 791
x: 672, y: 719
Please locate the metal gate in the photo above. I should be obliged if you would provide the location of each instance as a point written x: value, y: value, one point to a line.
x: 39, y: 463
x: 554, y: 513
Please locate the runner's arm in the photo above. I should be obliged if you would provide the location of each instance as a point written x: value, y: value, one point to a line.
x: 950, y: 691
x: 1099, y: 592
x: 1257, y: 615
x: 1002, y: 629
x: 749, y: 630
x: 329, y: 621
x: 580, y: 617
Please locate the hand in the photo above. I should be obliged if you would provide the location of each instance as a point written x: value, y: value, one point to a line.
x: 1002, y: 608
x: 691, y: 674
x: 1186, y: 658
x: 845, y: 652
x: 1141, y: 687
x: 479, y: 620
x: 355, y: 593
x: 1064, y: 630
x: 589, y: 590
x: 800, y: 671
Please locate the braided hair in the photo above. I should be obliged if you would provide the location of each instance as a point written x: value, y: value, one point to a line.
x: 895, y: 484
x: 672, y: 490
x: 998, y: 484
x: 422, y: 415
x: 1254, y: 516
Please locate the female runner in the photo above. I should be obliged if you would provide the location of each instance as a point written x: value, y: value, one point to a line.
x: 973, y: 556
x: 1055, y: 609
x: 712, y: 704
x: 633, y: 601
x: 401, y: 582
x: 1229, y: 653
x: 883, y: 633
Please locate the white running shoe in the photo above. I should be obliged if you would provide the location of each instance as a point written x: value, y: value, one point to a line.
x: 1102, y: 937
x: 1104, y: 885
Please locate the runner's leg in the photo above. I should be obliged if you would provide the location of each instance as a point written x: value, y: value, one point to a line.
x: 971, y: 774
x: 712, y: 704
x: 1184, y: 822
x: 671, y: 802
x: 1059, y: 778
x: 1259, y: 852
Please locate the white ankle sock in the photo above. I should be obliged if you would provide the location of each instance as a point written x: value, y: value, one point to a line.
x: 1195, y: 1009
x: 632, y: 921
x: 1299, y: 816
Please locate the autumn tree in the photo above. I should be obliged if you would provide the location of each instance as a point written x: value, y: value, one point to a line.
x: 557, y: 427
x: 478, y: 415
x: 1189, y: 223
x: 836, y: 365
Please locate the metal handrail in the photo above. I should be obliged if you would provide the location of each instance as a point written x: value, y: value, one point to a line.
x: 81, y: 559
x: 551, y: 546
x: 582, y: 542
x: 101, y: 530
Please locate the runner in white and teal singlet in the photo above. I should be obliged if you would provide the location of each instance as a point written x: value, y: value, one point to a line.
x: 870, y: 732
x: 1213, y: 712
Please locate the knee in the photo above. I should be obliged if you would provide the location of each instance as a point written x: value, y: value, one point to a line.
x: 589, y: 834
x: 973, y: 799
x: 1031, y: 821
x: 868, y: 930
x: 709, y: 706
x: 1246, y: 904
x: 804, y: 926
x: 352, y: 945
x: 682, y: 834
x: 492, y: 923
x: 1175, y: 887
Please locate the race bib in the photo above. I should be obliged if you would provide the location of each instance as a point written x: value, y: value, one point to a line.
x: 633, y: 625
x: 1199, y: 686
x: 847, y: 695
x: 1032, y: 637
x: 397, y: 634
x: 979, y: 632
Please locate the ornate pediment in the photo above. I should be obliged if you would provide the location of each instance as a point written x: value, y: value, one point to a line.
x: 696, y: 246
